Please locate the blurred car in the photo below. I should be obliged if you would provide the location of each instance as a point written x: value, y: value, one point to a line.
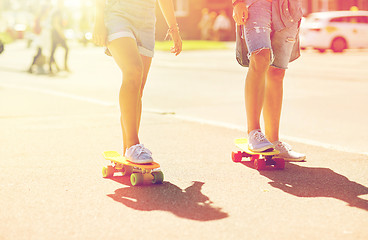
x: 336, y: 30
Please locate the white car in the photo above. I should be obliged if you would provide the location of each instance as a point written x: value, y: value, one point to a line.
x: 336, y: 30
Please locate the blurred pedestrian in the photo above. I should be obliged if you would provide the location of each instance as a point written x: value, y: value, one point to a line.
x: 213, y: 16
x: 58, y: 36
x: 127, y: 28
x: 41, y: 38
x: 205, y: 24
x: 222, y: 27
x: 270, y: 29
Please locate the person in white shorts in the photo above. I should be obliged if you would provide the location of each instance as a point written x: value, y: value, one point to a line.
x: 127, y: 29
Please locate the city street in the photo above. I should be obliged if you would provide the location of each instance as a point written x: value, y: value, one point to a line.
x: 53, y: 130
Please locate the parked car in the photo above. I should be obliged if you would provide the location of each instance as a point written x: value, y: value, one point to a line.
x: 336, y: 30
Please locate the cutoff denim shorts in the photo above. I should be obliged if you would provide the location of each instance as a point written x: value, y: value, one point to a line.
x: 132, y: 18
x: 259, y: 34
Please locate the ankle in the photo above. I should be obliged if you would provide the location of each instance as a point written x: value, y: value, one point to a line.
x: 131, y: 143
x: 272, y: 139
x: 254, y: 129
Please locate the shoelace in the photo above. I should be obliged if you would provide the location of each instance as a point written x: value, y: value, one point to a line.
x: 141, y: 150
x: 284, y: 146
x: 259, y: 137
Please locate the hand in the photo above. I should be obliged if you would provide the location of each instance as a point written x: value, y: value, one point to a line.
x: 175, y: 36
x: 99, y: 35
x: 240, y: 13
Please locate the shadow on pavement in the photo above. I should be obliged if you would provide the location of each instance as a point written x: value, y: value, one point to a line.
x: 310, y: 182
x: 189, y: 203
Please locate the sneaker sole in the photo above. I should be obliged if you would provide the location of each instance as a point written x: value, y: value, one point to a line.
x: 259, y: 150
x: 295, y: 159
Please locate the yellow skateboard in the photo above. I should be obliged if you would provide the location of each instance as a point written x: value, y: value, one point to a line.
x: 261, y: 160
x: 139, y: 173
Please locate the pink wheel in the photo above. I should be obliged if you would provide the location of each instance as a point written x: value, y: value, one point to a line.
x: 259, y: 164
x: 236, y: 156
x: 280, y: 163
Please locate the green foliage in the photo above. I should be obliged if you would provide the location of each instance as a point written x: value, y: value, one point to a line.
x: 5, y: 37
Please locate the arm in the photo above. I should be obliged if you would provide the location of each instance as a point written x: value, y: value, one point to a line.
x: 240, y: 12
x: 168, y: 11
x: 99, y: 30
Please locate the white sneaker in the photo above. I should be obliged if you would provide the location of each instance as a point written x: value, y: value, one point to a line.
x: 287, y: 153
x: 257, y: 142
x: 139, y: 154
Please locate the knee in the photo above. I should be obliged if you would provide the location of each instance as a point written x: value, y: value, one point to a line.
x: 276, y: 75
x: 260, y: 60
x: 132, y: 76
x: 134, y: 72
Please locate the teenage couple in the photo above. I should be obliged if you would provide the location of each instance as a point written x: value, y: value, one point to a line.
x: 127, y: 29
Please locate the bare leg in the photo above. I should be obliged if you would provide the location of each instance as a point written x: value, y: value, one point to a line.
x: 273, y: 102
x: 52, y: 55
x: 255, y: 87
x: 146, y: 67
x: 127, y: 57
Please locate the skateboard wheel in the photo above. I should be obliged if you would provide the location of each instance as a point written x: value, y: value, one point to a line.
x: 136, y: 179
x: 107, y: 171
x: 279, y: 163
x: 259, y: 164
x: 127, y: 170
x: 158, y: 177
x: 236, y: 156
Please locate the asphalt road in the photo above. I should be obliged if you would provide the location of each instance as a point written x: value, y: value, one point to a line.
x: 54, y: 129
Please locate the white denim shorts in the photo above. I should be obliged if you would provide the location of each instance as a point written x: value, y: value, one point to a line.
x: 132, y: 18
x: 259, y: 34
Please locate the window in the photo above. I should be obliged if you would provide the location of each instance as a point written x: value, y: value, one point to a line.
x: 363, y: 19
x: 339, y: 19
x: 353, y: 19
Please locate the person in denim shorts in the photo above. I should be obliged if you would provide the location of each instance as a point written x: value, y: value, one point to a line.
x: 270, y: 30
x: 127, y: 29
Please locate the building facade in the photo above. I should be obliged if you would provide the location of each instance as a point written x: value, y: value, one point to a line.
x: 188, y: 13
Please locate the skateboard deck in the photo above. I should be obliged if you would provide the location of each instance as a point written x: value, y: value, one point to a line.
x: 261, y: 160
x: 139, y: 173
